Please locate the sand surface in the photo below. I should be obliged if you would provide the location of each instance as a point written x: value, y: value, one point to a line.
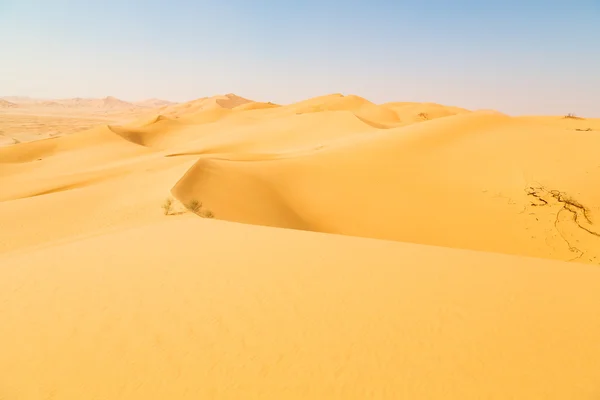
x: 23, y: 119
x: 346, y: 250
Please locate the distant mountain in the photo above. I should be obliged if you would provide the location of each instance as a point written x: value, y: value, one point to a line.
x: 7, y: 104
x: 107, y: 103
x: 21, y: 99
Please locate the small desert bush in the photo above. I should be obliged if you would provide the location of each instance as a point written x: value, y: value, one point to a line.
x: 571, y: 116
x: 167, y: 206
x: 423, y: 116
x: 194, y: 206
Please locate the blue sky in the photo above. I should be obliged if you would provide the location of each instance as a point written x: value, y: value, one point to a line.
x: 519, y: 57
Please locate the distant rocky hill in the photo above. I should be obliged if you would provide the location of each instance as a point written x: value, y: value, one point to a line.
x: 7, y: 104
x: 109, y: 103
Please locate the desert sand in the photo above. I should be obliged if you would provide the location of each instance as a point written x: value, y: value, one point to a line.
x: 330, y: 248
x: 24, y: 119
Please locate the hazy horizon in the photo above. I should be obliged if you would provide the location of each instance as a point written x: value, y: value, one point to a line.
x: 534, y: 58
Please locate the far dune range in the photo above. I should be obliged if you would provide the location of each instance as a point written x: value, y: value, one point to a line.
x: 348, y: 250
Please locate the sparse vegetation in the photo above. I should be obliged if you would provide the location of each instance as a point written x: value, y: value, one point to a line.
x: 171, y: 208
x: 167, y: 206
x: 194, y: 206
x: 571, y: 116
x: 584, y: 130
x: 423, y: 116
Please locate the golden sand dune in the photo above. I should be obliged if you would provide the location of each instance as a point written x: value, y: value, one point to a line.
x: 103, y: 295
x: 255, y: 105
x: 359, y: 106
x: 333, y: 170
x: 227, y: 101
x: 414, y: 112
x: 189, y: 309
x: 470, y: 181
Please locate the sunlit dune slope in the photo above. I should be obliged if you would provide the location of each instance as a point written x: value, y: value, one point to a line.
x: 228, y: 101
x: 235, y: 118
x: 386, y: 115
x: 571, y: 123
x: 479, y: 180
x: 254, y: 105
x: 221, y: 129
x: 100, y: 141
x: 195, y: 309
x: 415, y: 112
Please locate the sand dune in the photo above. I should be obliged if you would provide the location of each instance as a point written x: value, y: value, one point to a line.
x: 415, y: 112
x: 192, y: 309
x: 437, y: 182
x: 227, y: 101
x: 473, y: 180
x: 104, y: 295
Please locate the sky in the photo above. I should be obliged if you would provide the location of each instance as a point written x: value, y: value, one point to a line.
x: 518, y: 57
